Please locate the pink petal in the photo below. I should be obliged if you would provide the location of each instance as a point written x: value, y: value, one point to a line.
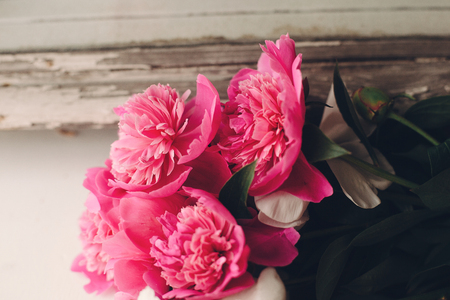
x: 270, y: 246
x: 209, y: 172
x: 163, y: 188
x: 204, y: 117
x: 120, y: 247
x: 211, y: 203
x: 293, y: 125
x: 98, y: 282
x: 306, y: 182
x: 243, y: 74
x: 92, y: 203
x: 154, y: 280
x: 128, y: 277
x: 140, y: 217
x: 268, y: 287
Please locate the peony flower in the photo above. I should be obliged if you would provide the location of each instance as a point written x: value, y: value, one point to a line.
x: 159, y: 134
x: 263, y: 121
x: 188, y: 245
x: 92, y: 261
x: 268, y: 287
x: 358, y: 185
x: 203, y: 254
x: 129, y: 249
x: 98, y: 223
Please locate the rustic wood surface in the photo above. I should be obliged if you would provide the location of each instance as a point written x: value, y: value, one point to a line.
x: 71, y: 90
x: 30, y: 25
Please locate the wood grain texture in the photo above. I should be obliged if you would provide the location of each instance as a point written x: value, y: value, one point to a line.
x: 31, y: 25
x: 72, y: 90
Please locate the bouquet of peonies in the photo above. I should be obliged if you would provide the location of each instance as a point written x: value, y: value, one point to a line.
x: 202, y: 200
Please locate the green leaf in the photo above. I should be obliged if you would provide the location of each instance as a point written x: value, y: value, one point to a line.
x: 317, y: 146
x: 348, y: 112
x: 430, y: 113
x: 435, y: 266
x: 435, y: 193
x: 439, y: 157
x: 394, y: 270
x: 234, y: 193
x: 439, y: 294
x: 418, y: 154
x: 394, y: 225
x: 432, y: 235
x: 331, y: 266
x: 440, y: 256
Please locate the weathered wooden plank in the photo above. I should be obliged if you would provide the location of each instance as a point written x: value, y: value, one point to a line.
x: 79, y: 89
x: 28, y: 25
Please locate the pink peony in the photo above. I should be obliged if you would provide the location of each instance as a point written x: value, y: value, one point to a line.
x: 203, y: 254
x: 188, y: 245
x: 129, y: 249
x: 92, y: 261
x: 98, y: 223
x: 159, y: 134
x: 263, y: 121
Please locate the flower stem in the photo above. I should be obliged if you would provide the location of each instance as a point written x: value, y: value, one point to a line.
x: 378, y: 171
x: 404, y: 95
x: 407, y: 123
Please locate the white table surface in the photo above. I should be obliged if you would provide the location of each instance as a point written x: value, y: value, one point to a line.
x: 42, y: 198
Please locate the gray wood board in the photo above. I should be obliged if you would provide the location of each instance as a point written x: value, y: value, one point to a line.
x: 79, y: 89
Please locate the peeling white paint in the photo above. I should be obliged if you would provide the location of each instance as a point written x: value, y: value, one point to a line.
x: 63, y: 24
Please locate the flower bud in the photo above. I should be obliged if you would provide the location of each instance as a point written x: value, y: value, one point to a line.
x: 371, y: 103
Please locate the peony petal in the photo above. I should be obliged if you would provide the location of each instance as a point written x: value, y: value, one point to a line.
x: 307, y: 182
x: 155, y: 281
x: 147, y: 294
x: 140, y: 217
x: 357, y: 149
x: 270, y: 246
x: 98, y: 282
x: 123, y: 296
x: 359, y: 185
x: 209, y: 172
x: 354, y: 184
x: 211, y: 203
x: 297, y: 78
x: 235, y: 286
x: 163, y: 188
x: 92, y: 203
x: 268, y: 287
x: 278, y: 174
x: 243, y: 74
x: 263, y: 218
x: 128, y: 277
x: 281, y: 206
x: 120, y: 247
x: 204, y: 117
